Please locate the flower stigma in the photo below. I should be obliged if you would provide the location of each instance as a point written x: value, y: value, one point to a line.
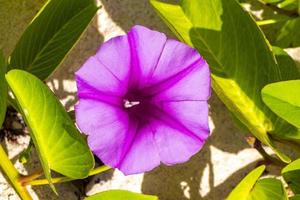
x: 129, y: 104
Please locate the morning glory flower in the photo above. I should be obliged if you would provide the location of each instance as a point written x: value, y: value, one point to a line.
x: 143, y: 101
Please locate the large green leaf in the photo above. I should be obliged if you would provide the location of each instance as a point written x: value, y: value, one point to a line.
x: 51, y: 34
x: 291, y: 175
x: 59, y: 144
x: 250, y: 188
x: 239, y: 56
x: 3, y: 88
x: 268, y: 189
x: 283, y: 99
x: 242, y: 190
x: 289, y: 34
x: 120, y: 195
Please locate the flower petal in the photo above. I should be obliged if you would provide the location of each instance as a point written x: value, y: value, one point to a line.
x: 115, y: 56
x: 181, y: 74
x: 92, y: 114
x: 174, y: 146
x: 192, y: 114
x: 109, y: 141
x: 94, y: 76
x: 142, y: 155
x: 183, y: 125
x: 146, y: 48
x: 107, y: 129
x: 166, y: 85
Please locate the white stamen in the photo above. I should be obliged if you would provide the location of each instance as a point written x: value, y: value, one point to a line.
x: 129, y: 104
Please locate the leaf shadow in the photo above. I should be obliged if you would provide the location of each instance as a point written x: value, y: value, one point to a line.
x: 265, y: 11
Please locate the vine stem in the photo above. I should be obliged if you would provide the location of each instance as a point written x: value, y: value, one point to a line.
x: 13, y: 175
x: 258, y: 146
x: 63, y: 178
x: 269, y: 21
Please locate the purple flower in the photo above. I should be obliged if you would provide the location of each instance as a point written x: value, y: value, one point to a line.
x: 143, y: 100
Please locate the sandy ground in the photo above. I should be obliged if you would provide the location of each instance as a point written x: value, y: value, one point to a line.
x: 211, y: 174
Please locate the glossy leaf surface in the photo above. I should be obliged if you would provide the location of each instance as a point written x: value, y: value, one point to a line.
x: 268, y: 189
x: 51, y: 35
x: 283, y: 99
x: 220, y: 30
x: 291, y: 174
x: 243, y: 189
x: 59, y: 144
x: 120, y: 195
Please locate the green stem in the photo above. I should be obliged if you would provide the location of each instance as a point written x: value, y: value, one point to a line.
x: 65, y: 179
x: 13, y: 175
x: 269, y: 21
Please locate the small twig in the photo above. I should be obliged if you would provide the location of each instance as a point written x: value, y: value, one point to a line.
x: 31, y: 177
x: 258, y: 146
x: 63, y: 179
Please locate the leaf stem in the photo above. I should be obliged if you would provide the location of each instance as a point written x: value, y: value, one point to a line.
x: 25, y: 179
x: 65, y: 179
x: 13, y: 175
x: 269, y: 21
x: 258, y: 146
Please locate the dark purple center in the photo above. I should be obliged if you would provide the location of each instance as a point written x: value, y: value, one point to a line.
x: 138, y: 105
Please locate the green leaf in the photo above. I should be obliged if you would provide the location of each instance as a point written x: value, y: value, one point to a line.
x: 239, y: 56
x: 3, y: 88
x: 286, y: 63
x: 272, y: 1
x: 296, y: 197
x: 242, y: 190
x: 51, y: 35
x: 289, y: 34
x: 283, y: 99
x: 238, y: 123
x: 59, y: 144
x: 268, y: 189
x: 291, y: 175
x: 250, y: 188
x: 120, y: 195
x: 288, y: 5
